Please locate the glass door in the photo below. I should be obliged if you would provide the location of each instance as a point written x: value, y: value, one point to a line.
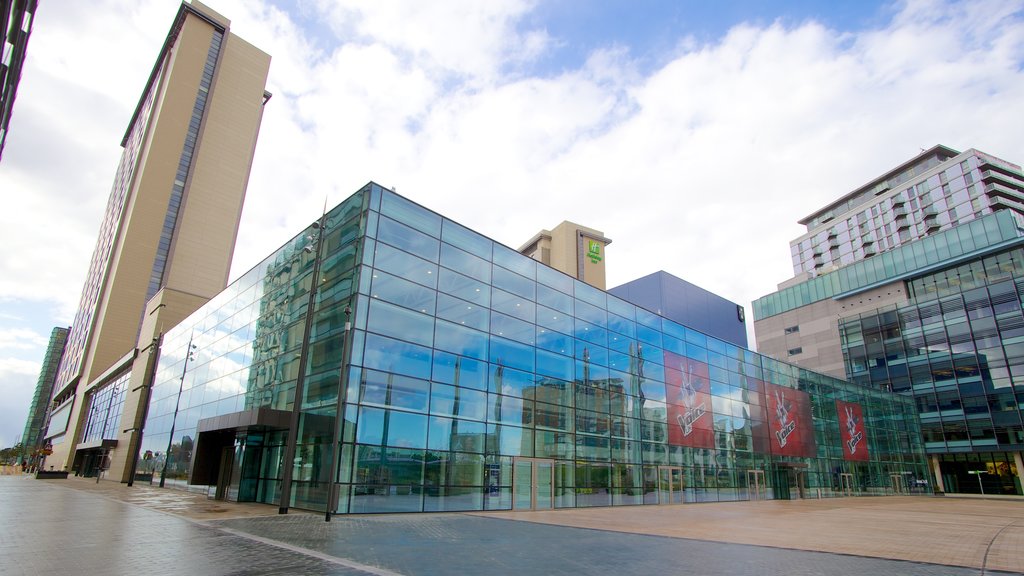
x: 756, y: 489
x: 846, y: 483
x: 533, y: 484
x: 897, y: 483
x: 670, y: 485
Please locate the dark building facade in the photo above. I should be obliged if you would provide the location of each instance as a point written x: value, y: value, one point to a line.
x: 687, y: 304
x: 16, y: 17
x: 388, y: 359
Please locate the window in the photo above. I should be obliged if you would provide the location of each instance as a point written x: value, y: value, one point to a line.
x: 795, y: 351
x: 792, y: 329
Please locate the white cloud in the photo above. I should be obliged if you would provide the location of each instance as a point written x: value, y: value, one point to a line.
x: 22, y: 338
x: 700, y: 167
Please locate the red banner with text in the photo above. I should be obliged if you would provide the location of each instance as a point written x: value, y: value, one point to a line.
x: 688, y: 396
x: 851, y: 431
x: 789, y: 422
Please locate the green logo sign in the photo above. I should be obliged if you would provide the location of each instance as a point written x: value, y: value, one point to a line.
x: 594, y: 251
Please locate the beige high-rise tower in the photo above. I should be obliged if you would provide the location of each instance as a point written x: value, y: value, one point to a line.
x: 576, y: 250
x: 167, y: 237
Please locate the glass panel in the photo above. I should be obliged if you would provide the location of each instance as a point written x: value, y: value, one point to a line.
x: 522, y: 491
x: 545, y: 487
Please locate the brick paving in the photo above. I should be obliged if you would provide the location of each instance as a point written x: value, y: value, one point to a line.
x: 80, y: 527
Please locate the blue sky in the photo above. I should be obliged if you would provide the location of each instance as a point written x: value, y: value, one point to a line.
x: 694, y: 134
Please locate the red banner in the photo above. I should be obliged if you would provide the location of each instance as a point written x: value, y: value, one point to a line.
x: 754, y: 399
x: 851, y: 431
x: 688, y: 396
x: 789, y: 422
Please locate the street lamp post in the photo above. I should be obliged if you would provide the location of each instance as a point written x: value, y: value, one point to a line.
x: 319, y: 228
x: 190, y: 355
x: 332, y: 487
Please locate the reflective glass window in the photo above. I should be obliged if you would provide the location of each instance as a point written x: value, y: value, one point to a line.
x: 398, y: 322
x: 513, y: 305
x: 466, y: 372
x: 402, y: 292
x: 511, y: 328
x: 554, y: 341
x: 410, y: 213
x: 464, y: 287
x: 396, y: 356
x: 514, y: 261
x: 555, y: 279
x: 460, y: 340
x: 465, y: 263
x: 404, y: 237
x: 406, y: 265
x: 554, y: 299
x: 554, y: 320
x: 462, y: 312
x: 514, y: 283
x: 511, y: 354
x: 466, y: 239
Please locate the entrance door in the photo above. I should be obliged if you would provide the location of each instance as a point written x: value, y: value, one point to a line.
x: 670, y: 485
x: 533, y: 484
x: 846, y: 483
x: 897, y: 483
x: 224, y: 473
x: 756, y: 489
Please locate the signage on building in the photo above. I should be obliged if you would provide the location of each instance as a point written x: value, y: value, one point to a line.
x: 594, y: 251
x: 789, y: 422
x: 851, y: 431
x: 688, y: 396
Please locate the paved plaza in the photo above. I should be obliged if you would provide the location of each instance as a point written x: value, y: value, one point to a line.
x: 76, y: 526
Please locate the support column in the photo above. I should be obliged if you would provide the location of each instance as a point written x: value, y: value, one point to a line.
x: 937, y: 473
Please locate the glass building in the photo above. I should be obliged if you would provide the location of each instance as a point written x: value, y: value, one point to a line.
x: 958, y: 347
x: 931, y: 310
x: 389, y: 359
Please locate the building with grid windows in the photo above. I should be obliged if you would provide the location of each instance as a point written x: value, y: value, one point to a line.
x: 167, y: 236
x: 910, y: 284
x: 34, y: 424
x: 16, y: 17
x: 388, y: 359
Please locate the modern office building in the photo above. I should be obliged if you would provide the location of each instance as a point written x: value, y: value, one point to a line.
x: 925, y: 302
x: 16, y: 17
x: 167, y: 237
x: 388, y: 359
x: 35, y: 423
x: 687, y: 304
x: 572, y: 249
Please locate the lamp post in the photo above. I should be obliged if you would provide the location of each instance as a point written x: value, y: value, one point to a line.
x: 317, y: 239
x: 332, y: 487
x: 190, y: 355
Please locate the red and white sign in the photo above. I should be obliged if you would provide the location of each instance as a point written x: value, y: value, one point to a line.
x: 688, y: 397
x: 851, y: 431
x: 789, y: 422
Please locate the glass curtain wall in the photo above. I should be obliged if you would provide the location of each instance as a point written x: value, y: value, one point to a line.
x: 958, y: 349
x: 474, y: 378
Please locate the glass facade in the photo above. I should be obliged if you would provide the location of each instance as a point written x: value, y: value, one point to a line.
x: 967, y: 241
x: 466, y: 376
x: 958, y: 348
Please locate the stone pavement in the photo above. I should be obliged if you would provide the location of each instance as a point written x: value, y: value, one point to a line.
x: 79, y: 527
x: 970, y: 532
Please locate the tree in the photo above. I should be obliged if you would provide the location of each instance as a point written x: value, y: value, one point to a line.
x: 12, y: 454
